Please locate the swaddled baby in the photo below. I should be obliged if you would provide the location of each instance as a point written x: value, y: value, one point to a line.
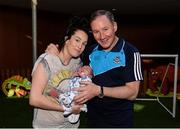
x: 65, y: 97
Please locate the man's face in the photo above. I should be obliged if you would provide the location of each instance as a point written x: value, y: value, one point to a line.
x: 104, y: 31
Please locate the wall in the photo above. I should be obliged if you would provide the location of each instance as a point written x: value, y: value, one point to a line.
x: 16, y: 37
x: 151, y: 34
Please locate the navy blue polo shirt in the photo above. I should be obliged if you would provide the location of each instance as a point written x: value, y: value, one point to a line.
x: 113, y: 68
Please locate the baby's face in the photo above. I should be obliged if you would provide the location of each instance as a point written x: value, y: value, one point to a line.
x: 85, y: 71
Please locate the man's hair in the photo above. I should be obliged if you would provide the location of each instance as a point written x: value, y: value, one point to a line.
x: 97, y: 13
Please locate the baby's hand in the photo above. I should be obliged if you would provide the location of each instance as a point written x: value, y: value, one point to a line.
x: 75, y: 74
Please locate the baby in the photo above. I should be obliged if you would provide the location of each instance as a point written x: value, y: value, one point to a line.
x: 65, y: 97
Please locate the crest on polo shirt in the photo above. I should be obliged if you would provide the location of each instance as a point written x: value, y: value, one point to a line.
x: 116, y: 60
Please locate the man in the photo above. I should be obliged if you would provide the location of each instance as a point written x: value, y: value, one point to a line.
x: 117, y: 73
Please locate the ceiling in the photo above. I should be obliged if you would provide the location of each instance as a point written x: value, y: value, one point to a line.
x: 162, y: 7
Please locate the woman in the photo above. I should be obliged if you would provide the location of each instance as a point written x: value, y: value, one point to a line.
x: 49, y: 70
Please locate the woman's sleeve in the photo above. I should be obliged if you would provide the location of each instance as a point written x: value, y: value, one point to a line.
x: 42, y: 60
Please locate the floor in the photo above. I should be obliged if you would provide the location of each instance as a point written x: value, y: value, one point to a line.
x: 17, y: 113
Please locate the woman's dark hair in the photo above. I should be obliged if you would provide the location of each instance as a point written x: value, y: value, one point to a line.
x: 76, y: 23
x: 97, y: 13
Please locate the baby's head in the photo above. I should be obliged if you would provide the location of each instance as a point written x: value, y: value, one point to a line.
x: 85, y: 71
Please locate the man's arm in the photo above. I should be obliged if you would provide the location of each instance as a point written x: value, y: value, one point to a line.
x: 90, y: 90
x: 52, y: 49
x: 130, y: 91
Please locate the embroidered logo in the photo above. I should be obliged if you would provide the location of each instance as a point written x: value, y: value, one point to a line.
x: 116, y: 60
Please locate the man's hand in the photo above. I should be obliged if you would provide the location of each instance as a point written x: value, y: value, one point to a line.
x: 52, y: 49
x: 86, y: 92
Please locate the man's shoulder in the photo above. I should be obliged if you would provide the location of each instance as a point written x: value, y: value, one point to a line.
x: 92, y: 47
x: 86, y: 53
x: 130, y: 47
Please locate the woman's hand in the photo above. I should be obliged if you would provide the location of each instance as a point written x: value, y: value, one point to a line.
x: 76, y: 109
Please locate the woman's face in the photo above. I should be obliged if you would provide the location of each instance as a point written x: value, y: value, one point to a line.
x: 76, y: 44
